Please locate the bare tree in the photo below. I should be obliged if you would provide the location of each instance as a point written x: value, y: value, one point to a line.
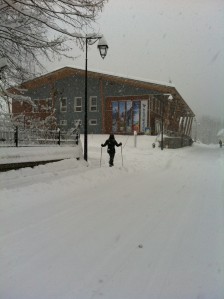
x: 30, y: 29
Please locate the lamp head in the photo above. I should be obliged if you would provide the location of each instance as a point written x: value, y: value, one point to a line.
x: 170, y: 97
x: 103, y: 47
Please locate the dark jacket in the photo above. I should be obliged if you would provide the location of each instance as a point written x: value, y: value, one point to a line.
x: 111, y: 143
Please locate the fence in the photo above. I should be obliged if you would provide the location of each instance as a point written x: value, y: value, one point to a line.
x: 15, y: 136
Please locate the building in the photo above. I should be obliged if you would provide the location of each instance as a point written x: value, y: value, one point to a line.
x: 115, y: 104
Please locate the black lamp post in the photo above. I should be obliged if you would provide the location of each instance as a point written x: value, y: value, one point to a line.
x: 162, y: 125
x: 103, y: 47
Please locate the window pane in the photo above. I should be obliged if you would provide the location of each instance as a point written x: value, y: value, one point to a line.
x: 136, y: 118
x: 114, y: 116
x: 93, y: 122
x: 94, y: 101
x: 93, y: 104
x: 78, y: 104
x: 121, y: 116
x: 128, y: 116
x: 63, y: 104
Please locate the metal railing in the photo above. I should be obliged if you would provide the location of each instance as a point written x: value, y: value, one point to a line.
x: 15, y: 136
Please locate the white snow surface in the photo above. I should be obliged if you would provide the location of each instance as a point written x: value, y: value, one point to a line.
x: 152, y: 228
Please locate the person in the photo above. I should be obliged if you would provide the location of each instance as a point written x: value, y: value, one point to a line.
x: 220, y: 143
x: 111, y: 143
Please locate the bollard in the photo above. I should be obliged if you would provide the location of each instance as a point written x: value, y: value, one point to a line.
x: 16, y: 136
x: 77, y: 136
x: 59, y: 136
x: 135, y: 138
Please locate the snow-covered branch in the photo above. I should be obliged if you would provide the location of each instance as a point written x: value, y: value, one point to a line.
x: 30, y: 29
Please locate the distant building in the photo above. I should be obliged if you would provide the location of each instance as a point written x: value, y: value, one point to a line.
x: 115, y: 104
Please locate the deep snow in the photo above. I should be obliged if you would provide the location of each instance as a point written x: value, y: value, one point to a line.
x: 153, y: 228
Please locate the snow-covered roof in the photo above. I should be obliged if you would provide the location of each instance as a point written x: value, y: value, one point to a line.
x: 114, y: 74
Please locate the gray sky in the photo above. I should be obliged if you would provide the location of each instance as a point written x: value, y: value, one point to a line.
x: 162, y: 40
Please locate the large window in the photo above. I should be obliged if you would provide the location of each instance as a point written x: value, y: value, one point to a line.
x: 63, y: 104
x: 78, y: 104
x: 128, y: 116
x: 93, y: 104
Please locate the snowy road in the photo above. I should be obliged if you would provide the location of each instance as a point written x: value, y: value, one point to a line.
x: 151, y: 229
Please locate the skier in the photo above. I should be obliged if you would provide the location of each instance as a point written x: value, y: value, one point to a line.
x: 110, y: 143
x: 220, y: 143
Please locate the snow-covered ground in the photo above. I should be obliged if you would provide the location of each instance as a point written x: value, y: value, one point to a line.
x: 153, y: 228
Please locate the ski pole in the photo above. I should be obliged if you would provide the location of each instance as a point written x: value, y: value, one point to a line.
x: 101, y: 156
x: 121, y: 156
x: 126, y: 140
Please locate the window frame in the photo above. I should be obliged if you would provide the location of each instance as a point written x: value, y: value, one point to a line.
x: 63, y: 98
x: 93, y: 124
x: 91, y: 106
x: 76, y: 106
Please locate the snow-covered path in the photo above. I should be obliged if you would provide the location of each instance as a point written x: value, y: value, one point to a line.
x: 151, y: 229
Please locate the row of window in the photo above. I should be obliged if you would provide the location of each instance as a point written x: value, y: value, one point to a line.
x: 46, y: 104
x: 78, y: 104
x: 92, y: 122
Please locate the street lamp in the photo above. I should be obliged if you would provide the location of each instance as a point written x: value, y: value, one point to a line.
x: 103, y: 47
x: 170, y: 98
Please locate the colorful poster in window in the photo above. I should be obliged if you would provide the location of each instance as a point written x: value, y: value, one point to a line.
x: 114, y: 116
x: 144, y: 115
x: 136, y: 108
x: 121, y: 116
x: 128, y: 116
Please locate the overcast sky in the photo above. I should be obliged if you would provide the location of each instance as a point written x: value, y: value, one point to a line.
x: 162, y: 40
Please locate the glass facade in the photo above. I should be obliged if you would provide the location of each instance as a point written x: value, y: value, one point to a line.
x: 129, y: 116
